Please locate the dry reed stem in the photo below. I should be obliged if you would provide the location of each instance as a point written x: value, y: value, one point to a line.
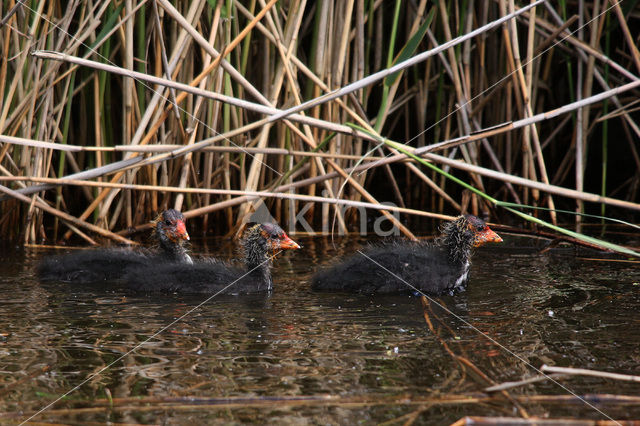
x: 188, y: 403
x: 525, y: 88
x: 398, y: 67
x: 585, y: 51
x: 344, y: 35
x: 520, y: 123
x: 252, y: 195
x: 487, y: 172
x: 194, y: 11
x: 631, y: 44
x: 184, y: 402
x: 286, y: 57
x: 185, y: 150
x: 592, y: 373
x: 582, y: 47
x: 515, y: 384
x: 67, y: 217
x: 552, y: 189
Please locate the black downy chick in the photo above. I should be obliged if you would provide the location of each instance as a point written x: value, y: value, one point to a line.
x: 111, y: 264
x: 405, y: 267
x: 211, y: 276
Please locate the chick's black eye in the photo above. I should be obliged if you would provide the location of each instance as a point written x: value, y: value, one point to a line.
x: 167, y: 222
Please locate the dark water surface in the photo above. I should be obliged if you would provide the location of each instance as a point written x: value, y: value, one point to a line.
x: 373, y: 359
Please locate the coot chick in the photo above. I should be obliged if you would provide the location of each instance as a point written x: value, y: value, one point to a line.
x: 170, y: 236
x: 435, y: 269
x: 110, y: 264
x: 211, y: 276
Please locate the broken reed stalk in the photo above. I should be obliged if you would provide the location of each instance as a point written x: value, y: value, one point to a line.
x: 436, y: 158
x: 592, y: 373
x: 476, y: 135
x: 244, y: 193
x: 453, y: 163
x: 67, y: 217
x: 458, y: 141
x: 515, y: 384
x: 497, y: 421
x: 212, y: 403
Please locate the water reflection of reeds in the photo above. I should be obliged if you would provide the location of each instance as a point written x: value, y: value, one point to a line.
x: 298, y: 354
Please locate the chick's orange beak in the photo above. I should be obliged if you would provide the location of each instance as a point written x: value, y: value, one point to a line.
x: 486, y: 236
x: 181, y: 230
x: 286, y: 243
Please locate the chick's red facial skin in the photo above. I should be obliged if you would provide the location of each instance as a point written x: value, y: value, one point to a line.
x: 486, y: 236
x: 286, y: 243
x: 181, y: 230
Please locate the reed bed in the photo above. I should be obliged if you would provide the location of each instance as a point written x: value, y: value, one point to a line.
x: 112, y: 111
